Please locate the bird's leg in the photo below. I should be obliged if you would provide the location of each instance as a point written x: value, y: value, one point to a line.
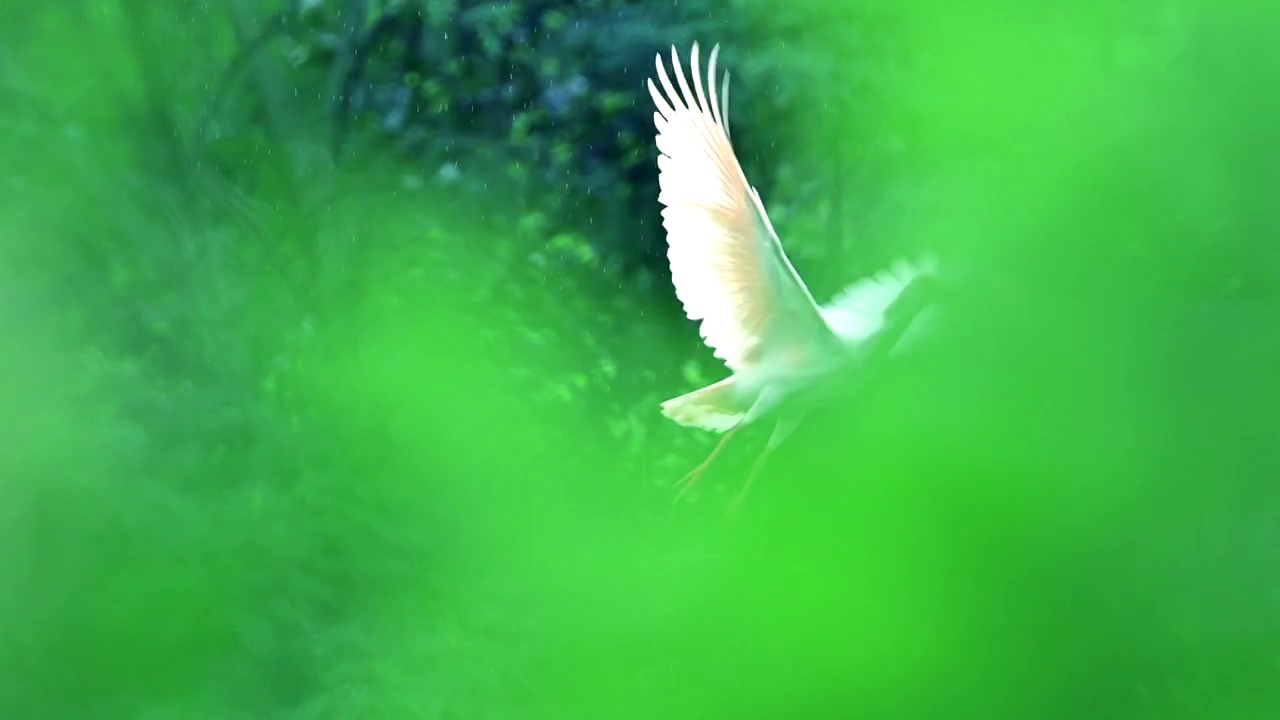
x: 692, y: 476
x: 751, y: 478
x: 781, y: 431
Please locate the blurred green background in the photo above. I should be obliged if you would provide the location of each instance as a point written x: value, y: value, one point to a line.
x: 332, y: 334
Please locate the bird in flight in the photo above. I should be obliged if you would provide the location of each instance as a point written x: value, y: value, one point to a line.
x: 730, y: 273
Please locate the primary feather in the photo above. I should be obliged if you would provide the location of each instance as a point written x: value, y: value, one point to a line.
x: 727, y: 263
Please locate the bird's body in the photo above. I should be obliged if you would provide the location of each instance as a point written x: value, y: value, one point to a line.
x: 785, y: 351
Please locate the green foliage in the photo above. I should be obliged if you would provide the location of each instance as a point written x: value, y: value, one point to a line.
x: 333, y: 335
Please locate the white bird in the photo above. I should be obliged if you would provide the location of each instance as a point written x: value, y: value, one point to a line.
x: 730, y: 272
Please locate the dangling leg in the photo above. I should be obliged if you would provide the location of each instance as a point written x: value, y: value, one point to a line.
x: 766, y: 400
x: 692, y: 476
x: 781, y: 431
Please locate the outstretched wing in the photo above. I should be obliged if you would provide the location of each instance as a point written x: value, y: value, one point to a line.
x: 859, y: 311
x: 727, y: 263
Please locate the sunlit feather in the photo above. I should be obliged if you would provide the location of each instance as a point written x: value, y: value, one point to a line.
x: 732, y: 276
x: 727, y: 264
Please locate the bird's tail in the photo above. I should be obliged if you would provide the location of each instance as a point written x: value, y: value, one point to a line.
x: 717, y: 407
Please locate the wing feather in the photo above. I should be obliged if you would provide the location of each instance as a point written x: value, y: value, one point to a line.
x: 727, y: 262
x: 858, y: 312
